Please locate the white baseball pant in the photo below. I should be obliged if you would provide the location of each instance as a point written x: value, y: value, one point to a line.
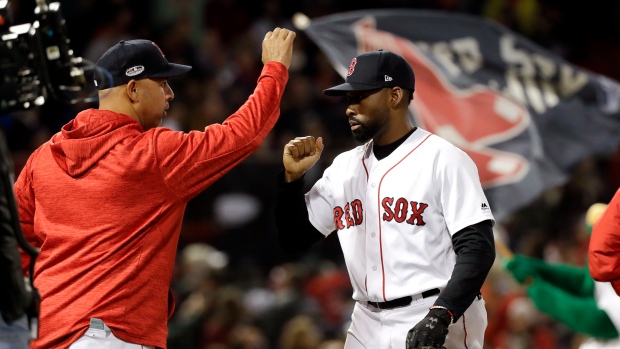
x: 373, y: 328
x: 101, y: 337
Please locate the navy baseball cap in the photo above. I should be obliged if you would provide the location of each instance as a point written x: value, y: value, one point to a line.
x: 377, y: 69
x: 134, y: 60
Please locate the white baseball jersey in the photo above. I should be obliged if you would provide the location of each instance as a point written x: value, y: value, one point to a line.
x: 395, y: 217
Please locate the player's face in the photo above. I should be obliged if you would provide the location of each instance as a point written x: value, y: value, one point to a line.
x: 154, y: 97
x: 368, y: 114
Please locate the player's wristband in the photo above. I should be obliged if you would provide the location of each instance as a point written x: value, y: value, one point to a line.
x: 446, y: 309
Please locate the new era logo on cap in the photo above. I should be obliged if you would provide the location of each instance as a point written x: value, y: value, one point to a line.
x: 134, y: 59
x: 377, y: 69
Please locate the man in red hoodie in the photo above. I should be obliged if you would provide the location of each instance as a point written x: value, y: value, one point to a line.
x: 604, y: 249
x: 104, y: 198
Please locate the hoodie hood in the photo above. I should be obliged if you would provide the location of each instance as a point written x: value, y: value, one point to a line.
x: 85, y: 140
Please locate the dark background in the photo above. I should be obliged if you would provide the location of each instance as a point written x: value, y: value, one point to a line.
x: 260, y: 297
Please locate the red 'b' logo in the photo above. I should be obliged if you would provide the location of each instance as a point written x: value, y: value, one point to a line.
x: 160, y: 51
x: 352, y: 66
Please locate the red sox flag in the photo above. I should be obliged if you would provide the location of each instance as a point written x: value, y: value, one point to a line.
x: 524, y: 115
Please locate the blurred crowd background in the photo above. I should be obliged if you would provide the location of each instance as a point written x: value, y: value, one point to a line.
x: 234, y: 287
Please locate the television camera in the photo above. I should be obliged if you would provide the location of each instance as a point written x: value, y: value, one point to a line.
x: 36, y: 62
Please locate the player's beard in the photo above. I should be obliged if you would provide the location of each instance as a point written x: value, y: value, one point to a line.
x: 375, y: 126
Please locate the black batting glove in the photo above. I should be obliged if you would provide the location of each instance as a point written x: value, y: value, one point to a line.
x: 431, y: 332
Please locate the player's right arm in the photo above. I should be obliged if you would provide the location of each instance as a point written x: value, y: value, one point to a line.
x: 295, y: 232
x: 190, y: 162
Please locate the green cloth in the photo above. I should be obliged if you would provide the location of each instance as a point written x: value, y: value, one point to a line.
x: 574, y: 280
x: 578, y: 313
x: 565, y: 293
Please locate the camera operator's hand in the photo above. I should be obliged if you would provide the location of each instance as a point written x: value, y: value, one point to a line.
x: 431, y: 332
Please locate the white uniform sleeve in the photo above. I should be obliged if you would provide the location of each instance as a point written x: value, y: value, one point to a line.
x: 459, y: 191
x: 319, y: 202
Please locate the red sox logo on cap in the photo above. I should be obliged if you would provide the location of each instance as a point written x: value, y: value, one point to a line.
x: 352, y: 66
x: 160, y: 51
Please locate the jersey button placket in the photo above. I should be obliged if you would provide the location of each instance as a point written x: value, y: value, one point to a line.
x: 373, y: 253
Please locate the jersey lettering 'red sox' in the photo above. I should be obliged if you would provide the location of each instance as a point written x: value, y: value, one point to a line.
x: 395, y: 217
x: 398, y: 211
x: 352, y: 214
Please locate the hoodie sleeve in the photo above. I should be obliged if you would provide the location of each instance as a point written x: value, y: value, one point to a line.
x: 24, y: 196
x: 604, y: 250
x: 190, y: 162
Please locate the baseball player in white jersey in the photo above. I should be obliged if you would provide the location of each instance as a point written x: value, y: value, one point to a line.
x: 414, y: 224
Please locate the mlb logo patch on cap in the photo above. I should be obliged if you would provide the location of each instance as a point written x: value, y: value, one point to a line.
x: 133, y: 71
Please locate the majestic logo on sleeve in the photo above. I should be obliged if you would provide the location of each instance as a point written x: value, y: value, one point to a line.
x: 403, y: 210
x: 351, y: 215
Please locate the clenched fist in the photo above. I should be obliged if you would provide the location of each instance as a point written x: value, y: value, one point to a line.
x: 300, y: 155
x: 278, y: 46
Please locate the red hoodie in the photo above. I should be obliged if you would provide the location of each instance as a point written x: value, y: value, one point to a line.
x: 104, y: 202
x: 604, y: 250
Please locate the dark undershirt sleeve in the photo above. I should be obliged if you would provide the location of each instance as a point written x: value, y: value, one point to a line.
x: 295, y: 232
x: 475, y: 254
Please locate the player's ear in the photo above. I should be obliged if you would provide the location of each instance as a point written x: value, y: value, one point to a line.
x: 396, y: 96
x: 131, y: 89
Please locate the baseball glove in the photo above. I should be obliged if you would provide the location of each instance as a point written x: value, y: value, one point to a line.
x: 431, y: 332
